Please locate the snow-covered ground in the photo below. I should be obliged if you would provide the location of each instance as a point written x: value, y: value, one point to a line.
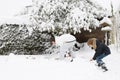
x: 45, y: 67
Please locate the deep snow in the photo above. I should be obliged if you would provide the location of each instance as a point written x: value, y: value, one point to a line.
x: 45, y: 67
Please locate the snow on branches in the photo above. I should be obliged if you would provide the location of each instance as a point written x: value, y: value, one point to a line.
x: 65, y: 15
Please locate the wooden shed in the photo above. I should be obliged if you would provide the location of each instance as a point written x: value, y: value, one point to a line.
x: 100, y: 32
x: 85, y: 35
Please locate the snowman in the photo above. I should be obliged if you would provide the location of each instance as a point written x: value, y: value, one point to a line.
x: 66, y: 43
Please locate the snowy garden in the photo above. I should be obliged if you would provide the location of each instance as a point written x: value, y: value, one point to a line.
x: 34, y: 42
x: 45, y: 67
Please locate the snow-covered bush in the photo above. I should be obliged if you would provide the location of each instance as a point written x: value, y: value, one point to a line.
x: 65, y: 16
x: 15, y: 38
x: 37, y: 43
x: 11, y: 35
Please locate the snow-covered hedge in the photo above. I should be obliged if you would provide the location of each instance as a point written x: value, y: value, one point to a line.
x: 15, y: 39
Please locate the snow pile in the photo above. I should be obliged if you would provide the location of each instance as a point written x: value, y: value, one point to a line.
x: 11, y: 57
x: 106, y: 20
x: 60, y: 40
x: 107, y: 28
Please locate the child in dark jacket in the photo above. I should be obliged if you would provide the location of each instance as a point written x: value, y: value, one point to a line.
x: 101, y: 50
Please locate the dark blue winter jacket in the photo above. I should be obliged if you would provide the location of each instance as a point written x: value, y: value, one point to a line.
x: 101, y: 48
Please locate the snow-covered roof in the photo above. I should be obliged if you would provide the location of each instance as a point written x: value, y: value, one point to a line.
x: 107, y: 28
x: 21, y: 20
x: 106, y: 20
